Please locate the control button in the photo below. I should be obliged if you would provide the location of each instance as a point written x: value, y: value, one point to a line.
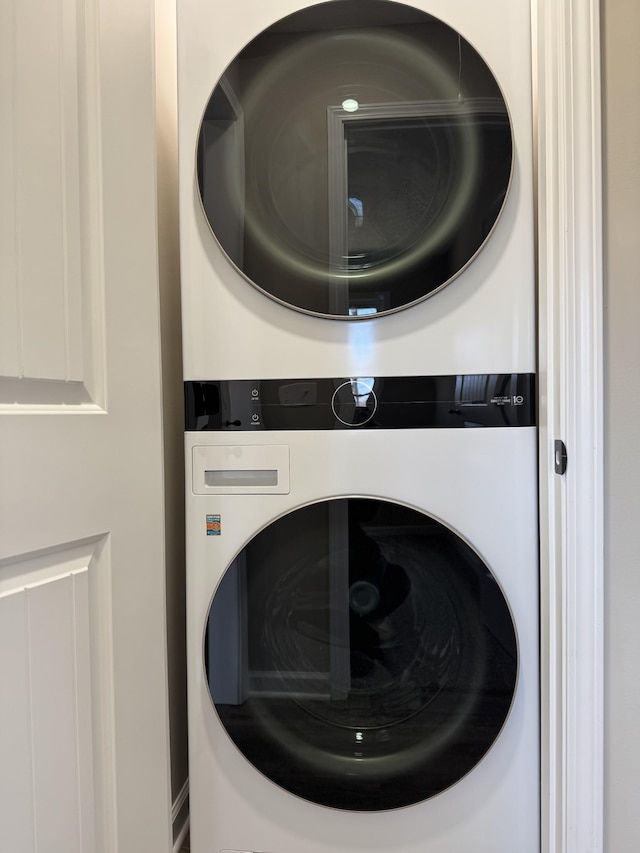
x: 255, y: 393
x: 354, y: 403
x: 255, y: 418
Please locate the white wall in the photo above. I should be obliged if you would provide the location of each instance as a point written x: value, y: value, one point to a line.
x: 173, y: 421
x: 621, y: 72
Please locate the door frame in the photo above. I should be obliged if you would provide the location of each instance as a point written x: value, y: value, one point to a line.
x: 567, y: 110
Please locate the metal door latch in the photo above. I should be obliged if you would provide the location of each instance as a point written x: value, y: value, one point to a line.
x: 560, y: 456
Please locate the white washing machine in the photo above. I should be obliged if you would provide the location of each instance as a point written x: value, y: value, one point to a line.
x: 355, y: 188
x: 362, y: 591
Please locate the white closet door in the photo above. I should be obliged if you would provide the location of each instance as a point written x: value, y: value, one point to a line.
x: 83, y: 708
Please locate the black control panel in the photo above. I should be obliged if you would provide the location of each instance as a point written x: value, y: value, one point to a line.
x: 389, y: 402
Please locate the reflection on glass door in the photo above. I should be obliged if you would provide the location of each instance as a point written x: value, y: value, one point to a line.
x: 354, y: 158
x: 403, y: 197
x: 360, y: 654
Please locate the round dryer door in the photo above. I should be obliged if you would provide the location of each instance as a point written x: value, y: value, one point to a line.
x: 360, y: 654
x: 354, y: 158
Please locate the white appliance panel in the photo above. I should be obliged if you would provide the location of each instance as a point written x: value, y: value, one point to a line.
x: 481, y: 322
x: 481, y: 484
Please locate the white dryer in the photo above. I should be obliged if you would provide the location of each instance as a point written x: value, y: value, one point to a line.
x: 355, y: 187
x: 362, y: 592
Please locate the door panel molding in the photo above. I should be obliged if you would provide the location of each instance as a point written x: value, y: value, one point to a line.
x: 51, y: 309
x: 56, y: 664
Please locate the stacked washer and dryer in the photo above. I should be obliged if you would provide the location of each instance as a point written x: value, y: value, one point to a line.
x: 357, y: 257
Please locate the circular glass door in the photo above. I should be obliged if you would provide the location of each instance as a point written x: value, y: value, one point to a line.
x: 360, y: 654
x: 354, y: 158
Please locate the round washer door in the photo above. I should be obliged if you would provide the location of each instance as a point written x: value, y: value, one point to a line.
x: 354, y: 158
x: 360, y: 654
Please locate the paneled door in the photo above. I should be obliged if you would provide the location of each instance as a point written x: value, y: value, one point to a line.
x: 83, y: 708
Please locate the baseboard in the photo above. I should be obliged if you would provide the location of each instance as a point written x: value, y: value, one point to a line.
x: 180, y: 817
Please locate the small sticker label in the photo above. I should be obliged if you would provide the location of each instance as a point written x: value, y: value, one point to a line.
x: 214, y: 525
